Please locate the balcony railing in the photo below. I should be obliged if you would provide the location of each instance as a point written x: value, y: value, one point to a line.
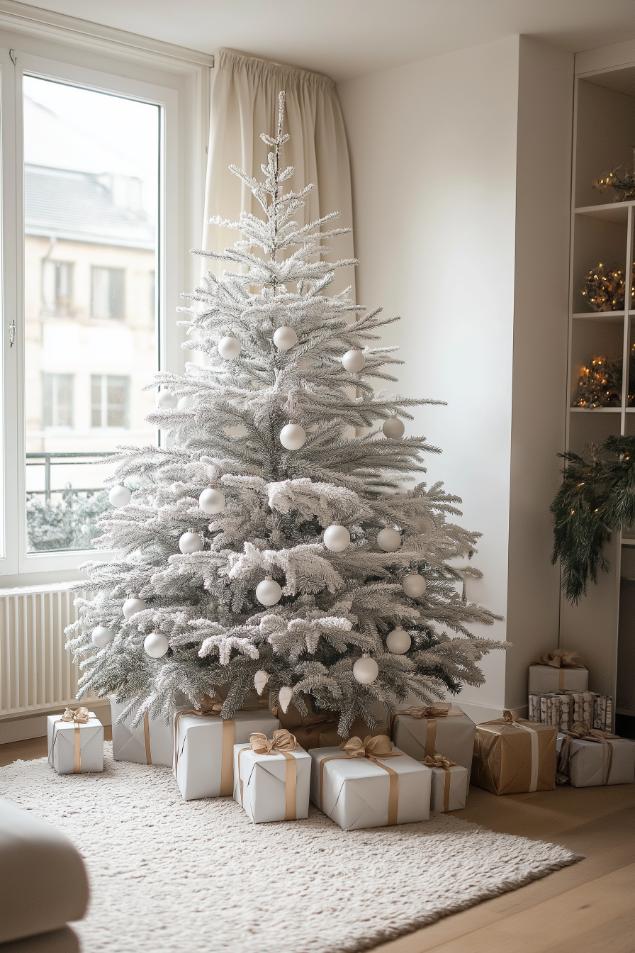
x: 55, y: 458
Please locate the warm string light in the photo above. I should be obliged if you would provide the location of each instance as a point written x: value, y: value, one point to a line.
x: 599, y: 385
x: 604, y: 288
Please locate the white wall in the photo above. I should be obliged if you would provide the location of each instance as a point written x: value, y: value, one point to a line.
x: 434, y: 157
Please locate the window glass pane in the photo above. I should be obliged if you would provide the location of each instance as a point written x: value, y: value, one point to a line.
x: 91, y: 168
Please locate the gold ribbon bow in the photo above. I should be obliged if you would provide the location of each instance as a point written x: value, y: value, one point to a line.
x: 439, y: 710
x: 79, y: 715
x: 281, y: 742
x: 373, y: 748
x: 438, y: 760
x: 76, y: 717
x: 561, y: 658
x: 580, y: 731
x: 208, y: 708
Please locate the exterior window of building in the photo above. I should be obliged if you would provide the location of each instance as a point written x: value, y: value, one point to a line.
x: 57, y: 287
x: 108, y: 290
x: 57, y: 400
x: 109, y: 400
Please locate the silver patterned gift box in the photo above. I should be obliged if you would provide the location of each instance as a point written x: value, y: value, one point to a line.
x: 149, y: 742
x: 75, y: 741
x: 435, y: 729
x: 565, y: 709
x: 272, y: 777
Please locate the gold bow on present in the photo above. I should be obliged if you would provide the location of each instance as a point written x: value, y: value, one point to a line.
x: 580, y: 731
x: 373, y: 748
x: 210, y: 706
x: 281, y: 741
x: 79, y: 715
x: 438, y: 710
x: 76, y: 717
x: 561, y: 658
x: 438, y: 760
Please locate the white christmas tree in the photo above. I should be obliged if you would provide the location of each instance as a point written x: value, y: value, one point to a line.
x: 275, y: 542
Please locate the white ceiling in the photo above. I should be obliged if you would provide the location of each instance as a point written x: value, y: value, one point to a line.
x: 346, y: 38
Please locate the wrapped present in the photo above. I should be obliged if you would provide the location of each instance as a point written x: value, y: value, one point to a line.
x: 272, y: 777
x: 75, y: 741
x: 589, y: 757
x: 513, y: 756
x: 430, y: 729
x: 564, y: 709
x: 204, y: 747
x: 149, y: 742
x: 369, y: 783
x: 551, y: 709
x: 558, y: 671
x: 450, y: 784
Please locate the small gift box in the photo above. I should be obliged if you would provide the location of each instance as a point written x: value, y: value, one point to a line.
x: 272, y: 777
x: 513, y: 756
x: 204, y: 748
x: 149, y: 742
x: 565, y: 709
x: 450, y: 784
x: 589, y: 758
x: 430, y: 729
x: 75, y: 742
x: 369, y: 783
x: 558, y: 671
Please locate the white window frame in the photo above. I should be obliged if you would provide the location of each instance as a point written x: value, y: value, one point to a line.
x: 107, y: 61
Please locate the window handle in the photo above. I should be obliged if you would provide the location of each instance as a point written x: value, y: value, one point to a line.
x: 12, y: 334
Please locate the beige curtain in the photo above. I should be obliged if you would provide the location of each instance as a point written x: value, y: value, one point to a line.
x: 244, y: 104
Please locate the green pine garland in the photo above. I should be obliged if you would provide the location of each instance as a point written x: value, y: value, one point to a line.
x: 597, y: 497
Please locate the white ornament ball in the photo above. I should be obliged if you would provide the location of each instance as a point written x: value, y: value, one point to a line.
x: 166, y: 400
x: 365, y: 670
x: 353, y: 360
x: 155, y: 645
x: 229, y: 348
x: 284, y: 697
x: 414, y: 585
x: 187, y: 402
x: 336, y: 538
x: 393, y: 427
x: 389, y: 540
x: 212, y: 501
x: 292, y: 436
x: 120, y: 495
x: 285, y: 338
x: 260, y: 680
x: 268, y: 592
x: 398, y: 641
x: 133, y: 605
x: 102, y: 636
x: 190, y: 543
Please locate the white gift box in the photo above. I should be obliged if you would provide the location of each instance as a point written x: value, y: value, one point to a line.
x: 595, y: 763
x: 272, y: 787
x: 149, y: 742
x: 449, y: 788
x: 358, y: 792
x: 204, y: 749
x: 450, y: 734
x: 548, y: 678
x: 75, y: 747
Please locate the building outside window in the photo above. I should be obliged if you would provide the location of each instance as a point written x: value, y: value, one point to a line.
x: 108, y: 291
x: 109, y: 400
x: 57, y: 400
x: 57, y: 287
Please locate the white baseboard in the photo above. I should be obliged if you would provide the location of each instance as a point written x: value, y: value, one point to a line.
x: 24, y: 727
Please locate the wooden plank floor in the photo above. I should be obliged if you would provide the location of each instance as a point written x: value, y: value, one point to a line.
x: 587, y: 907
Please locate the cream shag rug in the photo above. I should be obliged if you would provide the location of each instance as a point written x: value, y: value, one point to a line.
x: 168, y: 875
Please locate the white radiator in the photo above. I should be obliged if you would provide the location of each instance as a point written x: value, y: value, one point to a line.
x: 36, y: 671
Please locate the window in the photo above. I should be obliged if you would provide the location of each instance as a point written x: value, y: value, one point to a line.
x: 109, y: 401
x: 57, y: 287
x: 57, y: 400
x: 108, y: 288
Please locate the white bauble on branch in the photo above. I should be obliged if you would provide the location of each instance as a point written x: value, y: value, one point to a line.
x: 190, y: 543
x: 119, y: 495
x: 229, y: 348
x: 101, y: 636
x: 133, y: 605
x: 336, y: 538
x: 166, y: 400
x: 292, y: 436
x: 414, y: 585
x: 260, y: 680
x: 284, y: 697
x: 285, y: 338
x: 268, y: 592
x: 212, y: 501
x: 389, y: 540
x: 353, y: 360
x: 365, y: 670
x: 394, y: 428
x: 398, y: 641
x: 187, y: 402
x: 155, y: 645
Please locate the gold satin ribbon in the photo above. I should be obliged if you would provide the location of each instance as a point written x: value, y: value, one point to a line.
x: 206, y: 710
x: 510, y: 719
x: 430, y: 713
x: 582, y: 732
x: 79, y: 716
x: 561, y: 658
x: 281, y: 742
x: 146, y: 737
x: 438, y: 760
x: 372, y: 748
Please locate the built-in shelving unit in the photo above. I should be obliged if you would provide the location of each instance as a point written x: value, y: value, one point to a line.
x: 602, y: 626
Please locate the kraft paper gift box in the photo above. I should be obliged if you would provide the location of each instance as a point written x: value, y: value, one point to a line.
x: 545, y: 678
x: 594, y: 760
x: 149, y: 742
x: 204, y: 749
x: 272, y: 777
x: 450, y: 785
x: 435, y: 729
x: 385, y: 787
x: 75, y: 742
x: 514, y: 756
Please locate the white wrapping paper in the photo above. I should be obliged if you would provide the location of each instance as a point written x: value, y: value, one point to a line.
x: 61, y: 737
x: 451, y: 735
x: 204, y: 749
x: 456, y: 782
x: 150, y: 742
x: 263, y: 780
x: 355, y: 791
x: 548, y: 678
x: 591, y: 763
